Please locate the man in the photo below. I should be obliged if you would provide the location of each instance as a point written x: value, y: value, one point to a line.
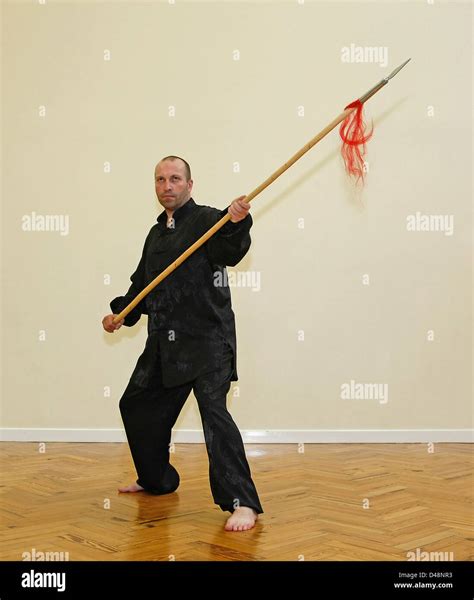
x: 191, y: 345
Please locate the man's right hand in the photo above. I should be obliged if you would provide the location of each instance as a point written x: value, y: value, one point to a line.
x: 109, y: 325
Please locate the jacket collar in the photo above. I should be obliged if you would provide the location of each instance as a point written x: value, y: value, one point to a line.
x: 178, y: 214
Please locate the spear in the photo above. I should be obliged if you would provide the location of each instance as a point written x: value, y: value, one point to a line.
x: 352, y: 132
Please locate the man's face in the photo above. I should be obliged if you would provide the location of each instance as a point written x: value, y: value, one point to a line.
x: 172, y: 189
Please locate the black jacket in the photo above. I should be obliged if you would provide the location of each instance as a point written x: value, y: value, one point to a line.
x: 190, y: 316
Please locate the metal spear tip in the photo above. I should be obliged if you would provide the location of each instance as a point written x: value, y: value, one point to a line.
x: 393, y: 73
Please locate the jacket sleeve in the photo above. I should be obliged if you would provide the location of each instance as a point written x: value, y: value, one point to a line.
x: 138, y: 283
x: 230, y: 244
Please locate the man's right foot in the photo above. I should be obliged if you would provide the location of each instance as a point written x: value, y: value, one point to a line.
x: 131, y: 488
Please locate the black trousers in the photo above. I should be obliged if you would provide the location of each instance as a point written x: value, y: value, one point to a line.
x: 149, y: 414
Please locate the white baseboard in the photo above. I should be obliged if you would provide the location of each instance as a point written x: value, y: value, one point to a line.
x: 264, y: 436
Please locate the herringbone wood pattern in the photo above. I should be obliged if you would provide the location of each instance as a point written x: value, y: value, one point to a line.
x: 328, y: 502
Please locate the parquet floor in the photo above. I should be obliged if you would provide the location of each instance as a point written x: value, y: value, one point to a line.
x: 331, y: 502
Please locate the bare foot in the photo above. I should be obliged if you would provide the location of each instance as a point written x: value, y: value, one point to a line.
x: 131, y: 488
x: 242, y: 518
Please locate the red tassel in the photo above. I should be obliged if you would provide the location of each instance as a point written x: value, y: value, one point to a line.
x: 354, y: 136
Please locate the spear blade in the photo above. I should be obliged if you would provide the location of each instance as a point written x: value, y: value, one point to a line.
x: 395, y: 71
x: 381, y: 83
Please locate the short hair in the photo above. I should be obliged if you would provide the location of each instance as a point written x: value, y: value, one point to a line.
x: 187, y: 168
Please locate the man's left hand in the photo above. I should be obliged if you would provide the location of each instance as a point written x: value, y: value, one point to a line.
x: 239, y: 209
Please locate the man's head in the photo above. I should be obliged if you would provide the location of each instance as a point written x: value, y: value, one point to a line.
x: 173, y: 183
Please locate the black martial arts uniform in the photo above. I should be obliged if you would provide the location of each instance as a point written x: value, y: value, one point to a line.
x: 191, y: 345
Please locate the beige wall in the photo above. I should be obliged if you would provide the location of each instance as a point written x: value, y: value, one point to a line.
x: 313, y: 279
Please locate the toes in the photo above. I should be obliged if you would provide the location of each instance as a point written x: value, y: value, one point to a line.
x: 238, y: 525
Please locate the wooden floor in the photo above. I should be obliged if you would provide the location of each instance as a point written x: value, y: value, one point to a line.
x: 330, y: 502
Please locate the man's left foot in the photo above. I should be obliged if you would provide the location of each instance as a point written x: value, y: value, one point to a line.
x: 242, y: 518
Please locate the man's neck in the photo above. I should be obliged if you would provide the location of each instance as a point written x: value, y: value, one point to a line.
x: 170, y: 213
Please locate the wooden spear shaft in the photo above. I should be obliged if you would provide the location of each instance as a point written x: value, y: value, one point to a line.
x: 203, y: 239
x: 210, y: 232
